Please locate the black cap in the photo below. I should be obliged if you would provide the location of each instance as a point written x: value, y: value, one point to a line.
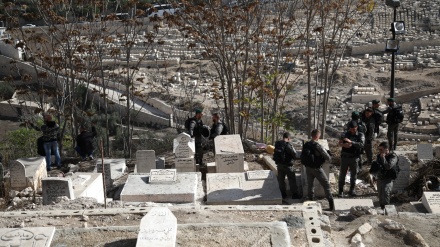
x: 375, y: 101
x: 352, y: 124
x: 198, y: 111
x: 390, y: 99
x: 369, y: 109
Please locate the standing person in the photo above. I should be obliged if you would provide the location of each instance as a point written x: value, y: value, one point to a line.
x: 314, y: 167
x: 195, y: 129
x: 218, y: 127
x: 352, y: 143
x: 384, y: 168
x: 50, y: 131
x: 355, y: 116
x: 370, y: 124
x: 377, y: 115
x: 393, y: 122
x: 84, y: 142
x: 284, y: 155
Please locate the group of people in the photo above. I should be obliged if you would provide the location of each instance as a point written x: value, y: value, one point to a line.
x: 52, y: 136
x: 359, y: 136
x: 197, y: 130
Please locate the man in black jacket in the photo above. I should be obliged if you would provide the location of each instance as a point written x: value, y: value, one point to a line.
x: 84, y: 142
x: 286, y: 168
x: 196, y: 129
x: 218, y: 127
x: 393, y: 127
x: 370, y: 124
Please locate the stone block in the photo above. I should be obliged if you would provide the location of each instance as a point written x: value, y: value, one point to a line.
x: 364, y: 229
x: 184, y: 146
x: 27, y: 237
x: 27, y: 172
x: 162, y: 176
x: 270, y: 163
x: 54, y: 187
x: 229, y: 156
x: 390, y: 210
x: 145, y: 161
x: 160, y: 163
x: 235, y: 189
x: 211, y: 167
x: 158, y: 228
x: 187, y: 163
x: 138, y: 189
x: 402, y: 180
x: 437, y: 152
x: 425, y: 151
x: 431, y: 201
x: 88, y: 185
x: 346, y: 204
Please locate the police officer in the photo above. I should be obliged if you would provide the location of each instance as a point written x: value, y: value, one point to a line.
x: 352, y: 143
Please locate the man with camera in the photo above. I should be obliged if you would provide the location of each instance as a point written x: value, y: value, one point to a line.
x: 385, y: 168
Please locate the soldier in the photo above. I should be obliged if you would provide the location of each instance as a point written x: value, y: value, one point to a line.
x: 377, y: 115
x: 370, y: 124
x: 195, y: 129
x: 352, y: 143
x: 394, y: 117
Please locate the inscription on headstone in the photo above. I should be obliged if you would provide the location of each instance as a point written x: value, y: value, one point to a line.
x: 424, y: 151
x: 27, y: 237
x: 18, y: 175
x: 158, y: 228
x: 55, y: 187
x: 224, y: 181
x: 431, y: 201
x: 402, y: 180
x: 184, y: 146
x: 229, y: 154
x: 107, y: 173
x: 145, y: 161
x: 259, y: 174
x: 163, y: 176
x: 184, y: 162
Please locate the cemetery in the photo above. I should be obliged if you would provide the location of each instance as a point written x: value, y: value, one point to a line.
x: 167, y: 199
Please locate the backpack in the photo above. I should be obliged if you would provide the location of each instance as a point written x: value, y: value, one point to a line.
x: 279, y: 154
x: 188, y: 123
x: 396, y: 115
x: 308, y: 156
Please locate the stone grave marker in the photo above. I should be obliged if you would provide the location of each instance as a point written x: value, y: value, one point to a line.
x: 107, y: 174
x: 402, y: 180
x: 424, y: 151
x: 54, y: 187
x: 183, y: 146
x: 145, y: 161
x: 27, y: 237
x: 229, y: 154
x: 259, y: 174
x: 346, y: 204
x: 160, y: 163
x: 163, y: 176
x: 431, y: 201
x: 18, y: 175
x: 158, y: 228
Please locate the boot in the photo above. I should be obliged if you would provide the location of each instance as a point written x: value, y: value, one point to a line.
x: 341, y: 192
x: 352, y: 193
x: 331, y: 204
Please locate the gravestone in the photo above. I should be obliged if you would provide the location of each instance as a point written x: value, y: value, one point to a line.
x: 346, y: 204
x: 17, y: 173
x: 163, y: 176
x: 424, y: 151
x: 260, y: 188
x: 158, y: 228
x: 184, y: 150
x: 27, y: 237
x: 107, y: 174
x: 431, y: 201
x: 88, y: 185
x: 402, y: 180
x: 54, y: 187
x: 229, y: 154
x: 145, y: 161
x: 160, y: 163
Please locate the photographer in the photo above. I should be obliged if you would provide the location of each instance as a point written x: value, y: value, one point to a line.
x: 384, y: 169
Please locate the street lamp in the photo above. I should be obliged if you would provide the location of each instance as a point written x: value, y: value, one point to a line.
x: 392, y: 45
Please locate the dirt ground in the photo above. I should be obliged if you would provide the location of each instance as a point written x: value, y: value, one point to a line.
x: 343, y: 225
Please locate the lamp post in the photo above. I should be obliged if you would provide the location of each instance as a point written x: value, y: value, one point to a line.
x: 392, y: 45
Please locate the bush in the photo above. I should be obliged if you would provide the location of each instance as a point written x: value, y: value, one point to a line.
x: 6, y: 91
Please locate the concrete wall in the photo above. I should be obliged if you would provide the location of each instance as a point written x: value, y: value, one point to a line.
x: 10, y: 51
x: 405, y: 46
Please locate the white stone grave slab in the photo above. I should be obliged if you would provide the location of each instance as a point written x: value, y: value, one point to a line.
x: 184, y: 146
x: 402, y: 180
x: 184, y: 190
x: 54, y: 187
x: 185, y: 164
x: 346, y: 204
x: 17, y: 175
x: 235, y: 189
x: 114, y: 169
x: 145, y: 161
x: 163, y: 176
x: 425, y: 151
x: 259, y: 174
x: 88, y: 185
x: 27, y: 237
x: 158, y: 228
x: 229, y: 156
x: 35, y: 170
x: 431, y: 201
